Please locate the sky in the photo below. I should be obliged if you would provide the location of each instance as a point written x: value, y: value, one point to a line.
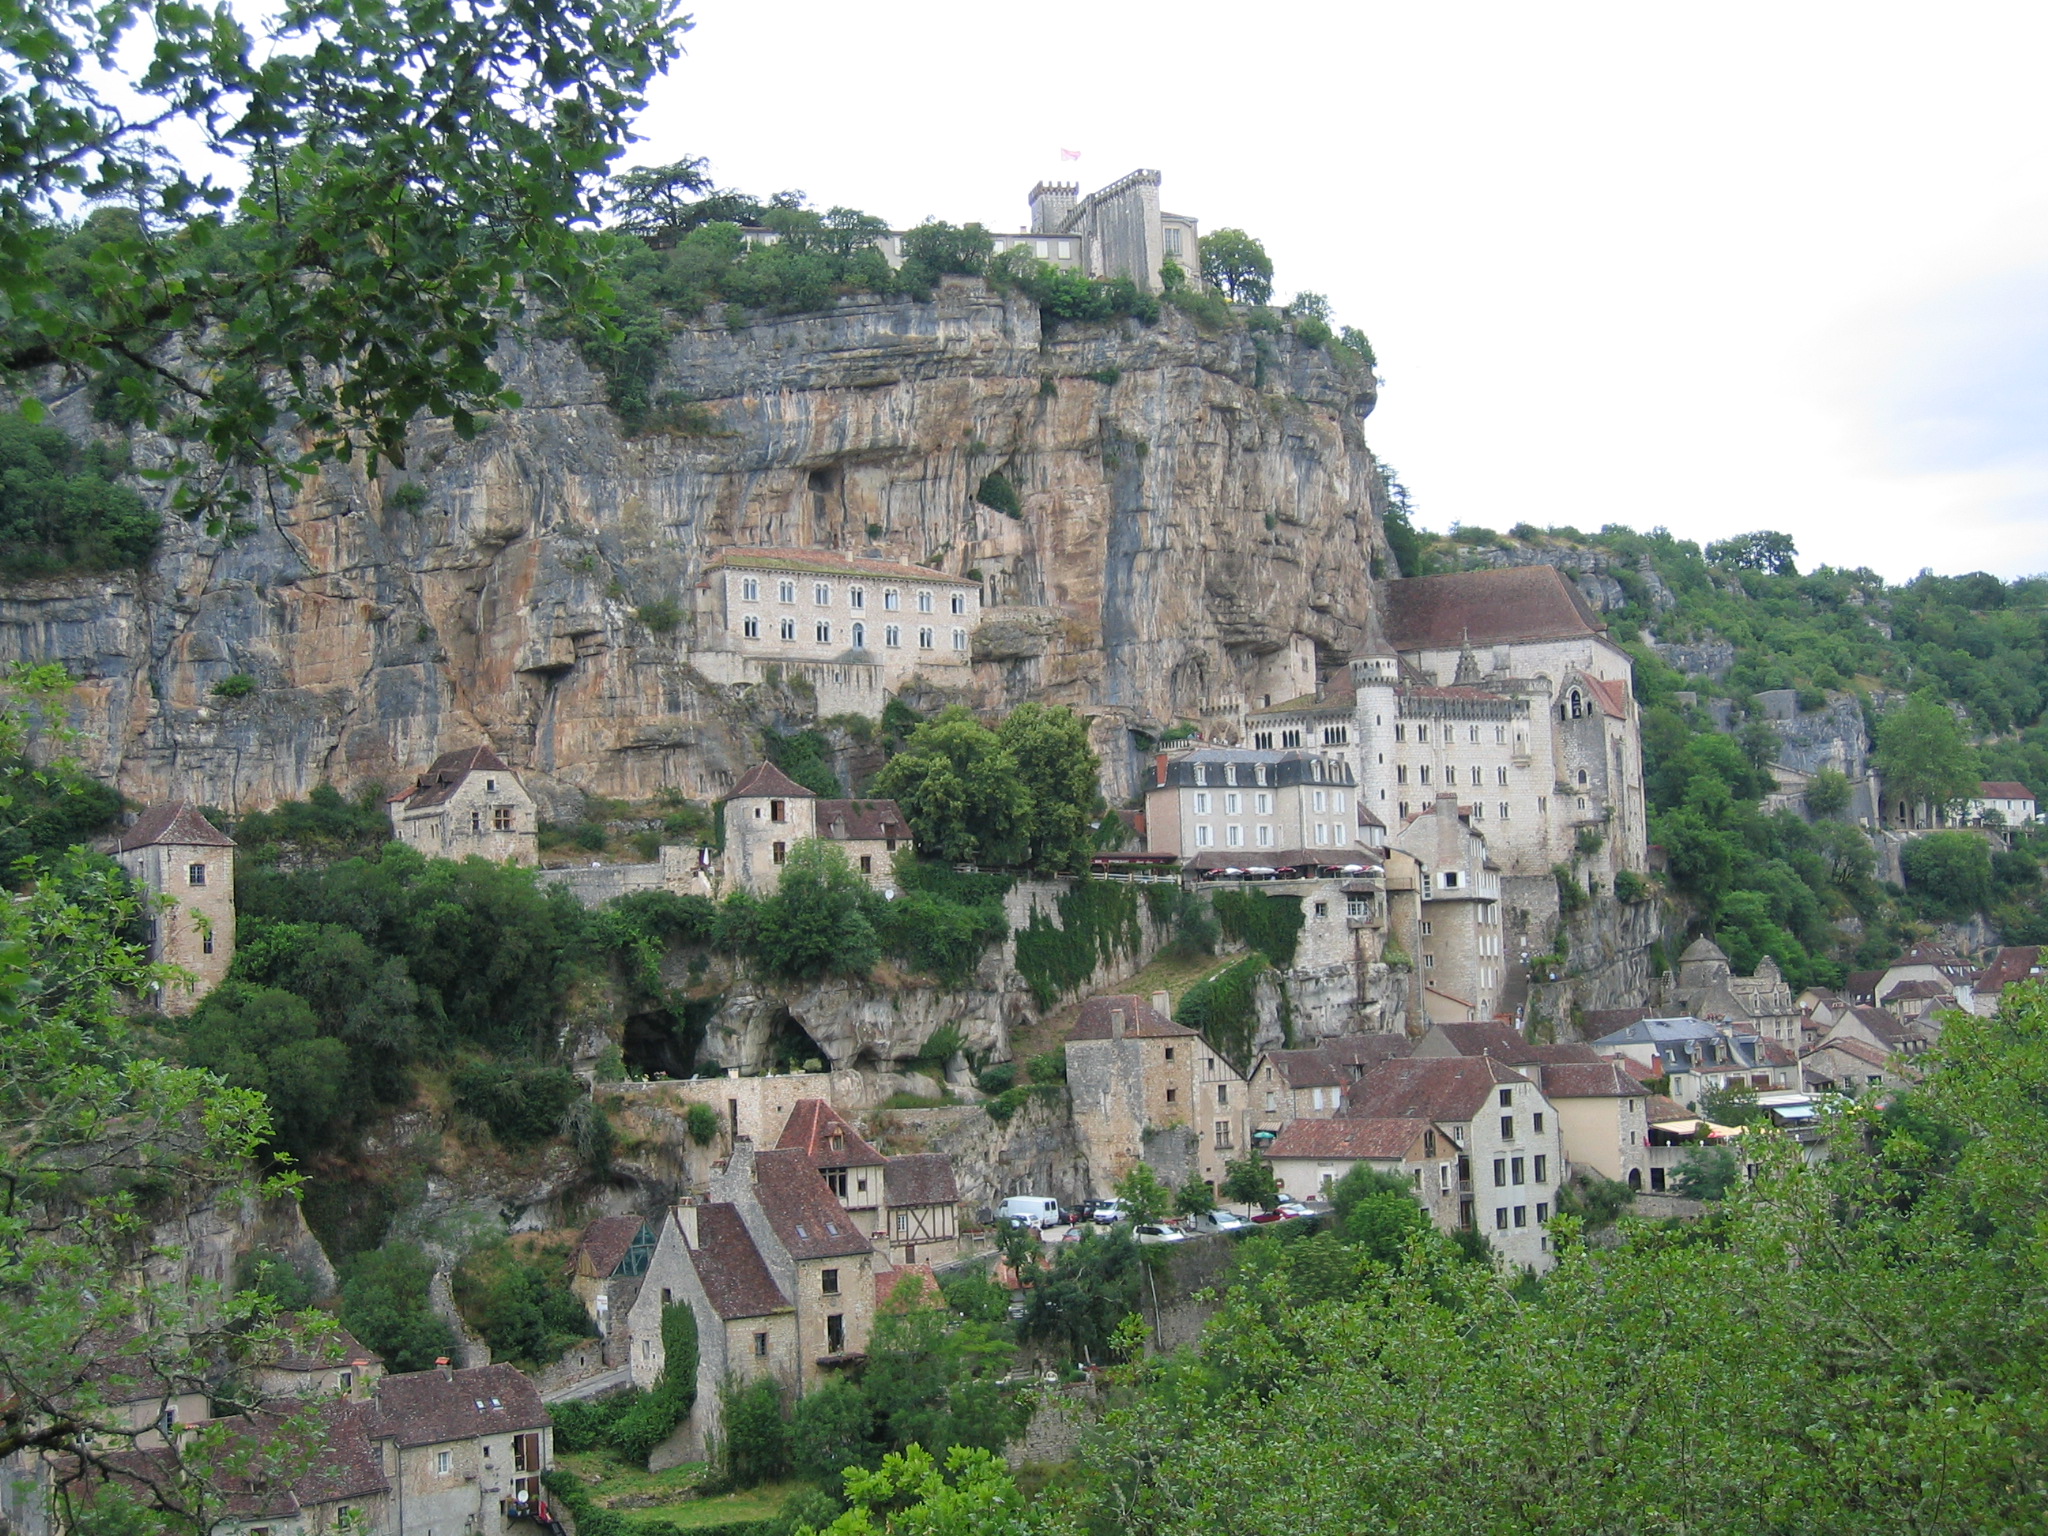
x: 1714, y: 269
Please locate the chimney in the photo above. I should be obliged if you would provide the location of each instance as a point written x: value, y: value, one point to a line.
x: 1116, y: 1023
x: 686, y: 1221
x: 1159, y: 764
x: 441, y: 1365
x: 1162, y: 1004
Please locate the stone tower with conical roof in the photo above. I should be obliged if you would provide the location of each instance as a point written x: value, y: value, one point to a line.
x: 187, y: 865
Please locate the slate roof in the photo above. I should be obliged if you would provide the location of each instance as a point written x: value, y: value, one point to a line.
x: 1601, y: 1022
x: 175, y: 822
x: 1588, y: 1080
x: 827, y: 562
x: 1530, y: 602
x: 439, y: 783
x: 1448, y: 1088
x: 1365, y: 1050
x: 920, y: 1178
x: 429, y: 1407
x: 765, y: 779
x: 1141, y: 1019
x: 605, y: 1241
x: 1913, y: 991
x: 1661, y: 1032
x: 1380, y: 1140
x: 730, y: 1268
x: 1861, y: 986
x: 807, y: 1217
x: 1305, y: 1069
x: 863, y: 820
x: 811, y: 1128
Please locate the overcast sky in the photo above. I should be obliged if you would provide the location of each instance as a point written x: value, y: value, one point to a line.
x: 1717, y: 268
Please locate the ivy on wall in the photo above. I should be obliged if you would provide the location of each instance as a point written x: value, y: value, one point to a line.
x: 1268, y: 925
x: 1098, y: 921
x: 1223, y: 1009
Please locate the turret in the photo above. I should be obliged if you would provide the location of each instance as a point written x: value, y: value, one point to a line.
x: 1375, y: 675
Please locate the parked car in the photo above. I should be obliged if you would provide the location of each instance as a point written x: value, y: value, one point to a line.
x: 1031, y: 1210
x: 1106, y: 1213
x: 1293, y: 1208
x: 1218, y: 1221
x: 1158, y: 1232
x: 1076, y: 1232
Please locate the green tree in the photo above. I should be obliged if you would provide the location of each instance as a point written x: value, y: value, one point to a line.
x: 1384, y: 1222
x: 911, y: 1495
x: 1708, y: 1173
x: 1194, y: 1197
x: 830, y: 1430
x: 268, y: 1040
x: 1086, y: 1294
x: 961, y: 790
x: 1063, y: 776
x: 1143, y: 1194
x: 1771, y: 553
x: 63, y: 508
x: 1236, y: 263
x: 657, y: 202
x: 816, y: 923
x: 933, y: 1378
x: 384, y: 1304
x: 934, y: 248
x: 406, y: 177
x: 523, y: 1307
x: 1249, y: 1180
x: 1948, y: 873
x: 1922, y: 758
x: 756, y: 1445
x: 1827, y: 793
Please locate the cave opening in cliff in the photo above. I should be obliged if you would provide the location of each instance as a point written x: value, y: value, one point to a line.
x: 790, y: 1047
x: 666, y: 1041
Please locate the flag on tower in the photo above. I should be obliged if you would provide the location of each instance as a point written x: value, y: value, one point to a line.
x: 1070, y: 154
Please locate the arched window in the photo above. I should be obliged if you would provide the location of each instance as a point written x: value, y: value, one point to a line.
x: 860, y: 637
x: 1578, y: 705
x: 1582, y: 775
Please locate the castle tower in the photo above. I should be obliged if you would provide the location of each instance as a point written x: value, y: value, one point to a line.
x: 173, y: 851
x: 766, y: 815
x: 1052, y: 204
x: 1376, y: 675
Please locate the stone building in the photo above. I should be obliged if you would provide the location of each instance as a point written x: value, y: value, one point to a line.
x: 175, y: 854
x: 908, y: 1205
x: 768, y: 813
x: 605, y: 1270
x: 335, y: 1364
x: 1460, y: 953
x: 1251, y: 806
x: 1702, y: 1056
x: 1707, y: 988
x: 464, y: 1450
x: 1147, y: 1090
x: 1311, y: 1155
x: 468, y: 805
x: 856, y: 630
x: 1506, y: 1133
x: 1118, y: 231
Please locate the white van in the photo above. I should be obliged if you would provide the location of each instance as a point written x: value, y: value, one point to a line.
x: 1030, y: 1211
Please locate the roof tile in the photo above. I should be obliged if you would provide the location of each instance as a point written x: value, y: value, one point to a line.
x: 1531, y: 602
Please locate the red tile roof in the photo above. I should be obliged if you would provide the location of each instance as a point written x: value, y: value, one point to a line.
x: 273, y: 1479
x: 2015, y: 962
x: 1304, y: 1069
x: 605, y: 1242
x: 825, y: 1137
x: 827, y: 562
x: 1365, y: 1050
x: 1587, y: 1080
x: 1141, y: 1019
x: 2003, y: 789
x: 1611, y: 693
x: 920, y: 1178
x: 1382, y: 1140
x: 429, y: 1407
x: 765, y: 779
x: 177, y: 823
x: 1531, y: 602
x: 1451, y: 1089
x: 1502, y: 1040
x: 1665, y: 1111
x: 1912, y: 991
x: 807, y: 1217
x: 730, y: 1268
x: 439, y: 783
x: 863, y: 820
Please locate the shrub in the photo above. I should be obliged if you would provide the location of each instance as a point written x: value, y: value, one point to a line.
x: 637, y: 1431
x: 1630, y: 886
x: 999, y: 1078
x: 1048, y: 1069
x: 522, y: 1307
x: 239, y: 686
x: 702, y: 1122
x: 756, y: 1444
x: 62, y: 507
x: 384, y: 1304
x: 1571, y: 896
x: 521, y: 1104
x: 1269, y: 924
x: 1208, y: 309
x: 663, y: 616
x: 996, y: 493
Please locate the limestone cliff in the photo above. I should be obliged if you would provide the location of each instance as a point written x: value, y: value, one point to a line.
x: 1197, y: 522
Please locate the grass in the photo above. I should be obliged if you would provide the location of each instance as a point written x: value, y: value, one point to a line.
x: 1174, y: 972
x: 642, y: 1495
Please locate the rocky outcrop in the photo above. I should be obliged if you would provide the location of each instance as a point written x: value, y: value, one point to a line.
x: 1607, y: 963
x: 1192, y: 507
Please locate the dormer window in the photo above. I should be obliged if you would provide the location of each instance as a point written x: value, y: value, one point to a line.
x: 1201, y: 773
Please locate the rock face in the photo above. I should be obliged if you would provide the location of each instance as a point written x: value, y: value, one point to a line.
x: 1194, y: 509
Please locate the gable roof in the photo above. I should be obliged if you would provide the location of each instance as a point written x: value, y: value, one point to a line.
x: 826, y: 562
x: 1485, y: 1039
x: 812, y: 1127
x: 1304, y: 1069
x: 336, y: 1347
x: 807, y: 1217
x: 1913, y: 991
x: 1879, y: 1023
x: 275, y: 1480
x: 604, y: 1242
x: 1588, y: 1080
x: 769, y: 780
x: 2003, y: 789
x: 1365, y: 1050
x: 175, y: 822
x: 2015, y: 962
x: 865, y: 820
x: 1601, y: 1022
x: 428, y: 1407
x: 439, y: 783
x: 735, y: 1277
x: 1141, y: 1019
x: 1610, y: 693
x: 920, y: 1178
x: 1378, y: 1140
x: 1665, y: 1110
x: 1447, y: 1088
x: 1529, y: 602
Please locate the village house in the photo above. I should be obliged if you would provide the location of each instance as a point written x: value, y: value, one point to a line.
x: 1251, y: 806
x: 909, y: 1205
x: 185, y: 862
x: 605, y: 1270
x: 1293, y: 1085
x: 1882, y: 1031
x: 1852, y: 1066
x: 1505, y: 1130
x: 463, y: 1450
x: 1928, y: 962
x: 1460, y: 954
x: 332, y: 1364
x: 768, y: 813
x: 2000, y: 803
x: 1701, y: 1056
x: 1706, y: 987
x: 468, y: 805
x: 1145, y: 1089
x: 2007, y: 967
x: 1311, y: 1155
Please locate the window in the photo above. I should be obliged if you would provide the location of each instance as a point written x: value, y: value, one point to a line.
x: 867, y: 863
x: 828, y: 1280
x: 1507, y: 1127
x: 1582, y: 776
x: 1450, y: 879
x: 750, y: 626
x: 444, y: 1462
x: 892, y: 635
x: 1429, y: 1143
x: 821, y: 595
x: 1542, y: 1169
x: 787, y: 591
x: 1201, y: 803
x: 1479, y: 810
x: 206, y: 942
x: 1321, y: 802
x: 195, y: 874
x: 781, y: 852
x: 1500, y: 1218
x: 1400, y: 733
x: 1500, y: 774
x: 1172, y: 1094
x: 924, y: 639
x: 1516, y: 1168
x: 668, y: 1297
x: 1222, y: 1135
x: 860, y: 637
x: 1172, y: 241
x: 1265, y: 837
x: 959, y: 602
x: 778, y: 810
x: 1358, y: 906
x: 1507, y: 1098
x: 924, y: 602
x: 501, y: 818
x: 1542, y: 1212
x: 1202, y: 839
x: 1539, y: 1124
x: 750, y: 590
x: 1233, y: 804
x: 1223, y: 1093
x: 1169, y: 1053
x: 1521, y: 1215
x: 1500, y: 1173
x: 760, y: 1346
x: 1234, y: 835
x: 789, y: 629
x: 890, y: 600
x: 490, y: 786
x: 824, y: 633
x: 1262, y: 804
x: 1429, y: 962
x: 1503, y: 810
x: 1322, y: 909
x: 1290, y: 738
x: 1335, y: 735
x: 1422, y: 733
x: 476, y: 824
x: 835, y: 1334
x: 856, y: 598
x: 1422, y: 773
x: 1322, y: 833
x: 835, y: 1180
x: 1401, y: 773
x: 1478, y: 777
x: 1201, y: 773
x: 1428, y: 927
x: 959, y: 639
x: 1259, y: 774
x: 1263, y: 740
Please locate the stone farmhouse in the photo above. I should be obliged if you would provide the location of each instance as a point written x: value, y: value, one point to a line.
x: 468, y: 804
x: 856, y: 630
x: 910, y: 1204
x: 768, y: 813
x: 1311, y: 1155
x: 187, y: 864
